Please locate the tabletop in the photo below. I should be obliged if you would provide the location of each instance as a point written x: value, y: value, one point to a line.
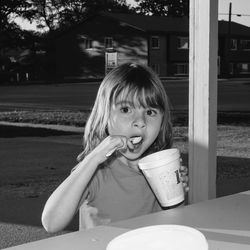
x: 224, y: 221
x: 92, y: 239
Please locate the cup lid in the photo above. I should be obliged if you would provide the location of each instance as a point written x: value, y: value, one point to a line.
x: 166, y: 155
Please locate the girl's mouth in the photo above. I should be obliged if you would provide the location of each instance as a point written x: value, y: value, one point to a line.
x: 136, y: 141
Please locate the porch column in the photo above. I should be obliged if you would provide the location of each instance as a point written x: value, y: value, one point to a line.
x: 203, y: 35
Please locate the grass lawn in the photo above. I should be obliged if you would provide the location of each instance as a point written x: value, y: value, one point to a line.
x: 32, y: 166
x: 34, y: 161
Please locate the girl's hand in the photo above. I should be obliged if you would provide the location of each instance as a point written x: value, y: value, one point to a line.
x: 108, y: 146
x: 91, y: 218
x: 184, y: 177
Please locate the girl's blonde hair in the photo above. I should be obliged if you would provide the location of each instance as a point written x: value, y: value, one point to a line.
x: 128, y: 81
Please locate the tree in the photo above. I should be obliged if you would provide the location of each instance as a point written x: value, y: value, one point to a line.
x: 11, y: 34
x: 76, y: 10
x: 54, y: 14
x: 11, y: 8
x: 176, y: 8
x: 57, y: 14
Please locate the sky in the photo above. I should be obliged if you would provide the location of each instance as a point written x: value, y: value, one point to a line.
x: 238, y: 7
x: 241, y: 7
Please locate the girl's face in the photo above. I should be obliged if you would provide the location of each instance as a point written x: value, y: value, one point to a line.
x: 135, y: 121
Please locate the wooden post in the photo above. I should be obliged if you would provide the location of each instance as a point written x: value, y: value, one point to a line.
x: 203, y: 35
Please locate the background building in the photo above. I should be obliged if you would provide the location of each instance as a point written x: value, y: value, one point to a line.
x: 161, y: 42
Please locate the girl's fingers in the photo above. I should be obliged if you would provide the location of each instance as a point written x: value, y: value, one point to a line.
x: 185, y: 187
x: 110, y: 152
x: 184, y: 178
x: 183, y: 170
x: 121, y: 144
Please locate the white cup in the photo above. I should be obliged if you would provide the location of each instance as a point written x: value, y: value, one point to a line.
x: 162, y: 171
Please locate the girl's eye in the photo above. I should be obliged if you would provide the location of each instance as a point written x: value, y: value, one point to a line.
x: 151, y: 112
x: 125, y: 109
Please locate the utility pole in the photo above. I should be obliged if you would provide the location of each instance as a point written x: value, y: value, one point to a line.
x: 226, y: 55
x: 229, y: 20
x: 228, y: 40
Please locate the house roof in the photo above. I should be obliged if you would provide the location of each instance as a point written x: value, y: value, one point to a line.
x: 172, y: 24
x: 162, y: 24
x: 152, y: 23
x: 236, y: 29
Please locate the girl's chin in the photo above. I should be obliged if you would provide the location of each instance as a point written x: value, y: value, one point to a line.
x: 132, y: 155
x: 135, y: 154
x: 130, y: 161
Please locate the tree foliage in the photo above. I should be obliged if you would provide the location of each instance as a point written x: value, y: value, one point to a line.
x: 10, y: 9
x: 176, y: 8
x: 75, y: 11
x: 10, y: 33
x: 56, y: 14
x: 49, y: 15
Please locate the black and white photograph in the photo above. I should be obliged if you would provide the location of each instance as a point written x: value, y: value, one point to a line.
x: 125, y: 124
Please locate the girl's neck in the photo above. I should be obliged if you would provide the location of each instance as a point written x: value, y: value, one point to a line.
x: 130, y: 163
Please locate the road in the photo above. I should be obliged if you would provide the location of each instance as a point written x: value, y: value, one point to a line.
x: 233, y: 95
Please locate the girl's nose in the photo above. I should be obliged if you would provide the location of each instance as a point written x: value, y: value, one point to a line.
x: 139, y: 121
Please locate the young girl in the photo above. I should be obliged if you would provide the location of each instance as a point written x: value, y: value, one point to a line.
x: 129, y: 120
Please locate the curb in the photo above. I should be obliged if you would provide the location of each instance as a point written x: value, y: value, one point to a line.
x: 45, y: 126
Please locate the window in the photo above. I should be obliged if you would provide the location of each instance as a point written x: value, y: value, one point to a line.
x: 108, y: 42
x: 182, y: 69
x: 244, y: 68
x: 233, y: 44
x: 87, y: 43
x: 245, y: 44
x: 183, y: 43
x: 155, y: 42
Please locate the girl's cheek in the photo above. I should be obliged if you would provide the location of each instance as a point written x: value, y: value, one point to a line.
x: 114, y: 128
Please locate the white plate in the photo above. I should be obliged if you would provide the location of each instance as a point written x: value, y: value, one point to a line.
x: 160, y: 237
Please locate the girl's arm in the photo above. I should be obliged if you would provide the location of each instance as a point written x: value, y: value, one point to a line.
x: 62, y: 205
x: 64, y: 201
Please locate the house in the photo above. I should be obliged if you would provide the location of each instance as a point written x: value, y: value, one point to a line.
x: 234, y: 49
x: 160, y: 42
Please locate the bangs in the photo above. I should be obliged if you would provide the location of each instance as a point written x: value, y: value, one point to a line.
x: 142, y: 96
